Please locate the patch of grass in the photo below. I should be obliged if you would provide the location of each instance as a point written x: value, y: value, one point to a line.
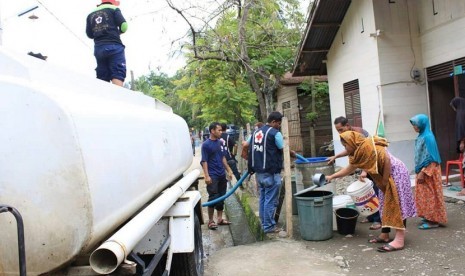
x: 254, y: 222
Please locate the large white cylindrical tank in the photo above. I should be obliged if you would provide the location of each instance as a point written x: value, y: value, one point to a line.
x: 78, y: 157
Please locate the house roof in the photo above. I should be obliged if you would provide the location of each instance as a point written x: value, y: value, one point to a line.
x: 288, y: 79
x: 322, y: 26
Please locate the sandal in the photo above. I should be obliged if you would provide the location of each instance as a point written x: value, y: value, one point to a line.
x: 365, y: 220
x: 375, y: 226
x: 274, y: 230
x: 212, y: 225
x: 388, y: 248
x: 224, y: 222
x: 446, y: 184
x: 427, y: 225
x: 454, y: 188
x: 461, y: 193
x: 379, y: 240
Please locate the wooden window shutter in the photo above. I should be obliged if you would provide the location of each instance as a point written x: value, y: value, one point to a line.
x: 352, y: 103
x: 439, y: 71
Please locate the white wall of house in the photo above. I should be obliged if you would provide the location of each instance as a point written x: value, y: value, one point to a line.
x: 382, y: 62
x: 354, y: 55
x: 400, y: 53
x: 441, y: 30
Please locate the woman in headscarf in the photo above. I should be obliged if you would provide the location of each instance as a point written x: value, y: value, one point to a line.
x: 390, y: 176
x: 428, y: 189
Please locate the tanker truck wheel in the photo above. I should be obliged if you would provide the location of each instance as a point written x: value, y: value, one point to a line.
x: 190, y: 264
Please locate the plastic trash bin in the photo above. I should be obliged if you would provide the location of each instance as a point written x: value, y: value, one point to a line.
x: 315, y: 210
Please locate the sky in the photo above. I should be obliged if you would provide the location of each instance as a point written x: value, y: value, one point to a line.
x: 59, y: 33
x: 152, y: 41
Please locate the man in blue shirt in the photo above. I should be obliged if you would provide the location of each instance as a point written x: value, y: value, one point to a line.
x: 214, y: 167
x: 266, y: 159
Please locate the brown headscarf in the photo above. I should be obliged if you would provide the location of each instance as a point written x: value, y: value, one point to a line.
x: 368, y: 150
x: 370, y: 155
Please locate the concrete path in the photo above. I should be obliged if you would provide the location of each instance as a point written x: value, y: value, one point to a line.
x: 277, y: 257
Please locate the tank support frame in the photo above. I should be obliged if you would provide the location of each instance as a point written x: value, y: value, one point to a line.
x: 21, y: 243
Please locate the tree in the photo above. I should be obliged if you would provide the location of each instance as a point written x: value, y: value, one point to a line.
x: 217, y: 92
x: 256, y: 39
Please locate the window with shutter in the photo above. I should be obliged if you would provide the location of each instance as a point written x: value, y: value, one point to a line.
x: 352, y: 103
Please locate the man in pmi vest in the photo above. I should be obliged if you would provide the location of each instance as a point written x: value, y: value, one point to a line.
x: 266, y: 160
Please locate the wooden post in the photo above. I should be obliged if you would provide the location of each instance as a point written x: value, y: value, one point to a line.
x: 312, y: 127
x: 240, y: 161
x: 287, y: 177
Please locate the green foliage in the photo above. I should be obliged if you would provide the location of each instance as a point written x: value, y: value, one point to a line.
x: 214, y: 85
x: 320, y: 90
x: 273, y: 33
x: 220, y: 93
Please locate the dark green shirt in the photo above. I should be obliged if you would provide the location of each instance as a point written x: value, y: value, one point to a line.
x: 105, y: 24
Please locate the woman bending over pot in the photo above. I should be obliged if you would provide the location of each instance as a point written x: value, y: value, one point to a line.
x: 390, y: 175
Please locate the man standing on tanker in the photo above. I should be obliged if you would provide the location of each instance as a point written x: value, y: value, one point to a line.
x: 266, y: 159
x: 104, y: 25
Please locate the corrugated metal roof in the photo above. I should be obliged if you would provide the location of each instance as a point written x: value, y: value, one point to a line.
x: 322, y: 26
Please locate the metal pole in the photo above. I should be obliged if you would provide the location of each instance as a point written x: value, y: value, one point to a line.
x: 21, y: 243
x: 28, y: 10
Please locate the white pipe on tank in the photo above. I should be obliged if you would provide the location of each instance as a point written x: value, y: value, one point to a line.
x: 113, y: 252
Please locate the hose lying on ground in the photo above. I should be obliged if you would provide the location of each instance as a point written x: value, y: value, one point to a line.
x: 230, y: 192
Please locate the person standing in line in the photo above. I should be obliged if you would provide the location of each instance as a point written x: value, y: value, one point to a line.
x: 458, y: 105
x: 258, y: 125
x: 104, y: 25
x: 193, y: 141
x: 392, y: 178
x: 266, y: 160
x: 214, y: 167
x: 429, y: 197
x: 245, y: 143
x: 228, y: 149
x: 342, y: 124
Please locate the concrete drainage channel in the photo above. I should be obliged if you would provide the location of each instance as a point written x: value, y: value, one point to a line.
x: 240, y: 230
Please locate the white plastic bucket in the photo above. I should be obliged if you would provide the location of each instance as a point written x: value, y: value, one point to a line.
x: 364, y: 197
x: 340, y: 201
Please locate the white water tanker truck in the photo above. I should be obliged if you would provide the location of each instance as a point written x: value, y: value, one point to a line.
x: 92, y: 178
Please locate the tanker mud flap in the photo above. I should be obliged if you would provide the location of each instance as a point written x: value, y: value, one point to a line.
x: 21, y: 244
